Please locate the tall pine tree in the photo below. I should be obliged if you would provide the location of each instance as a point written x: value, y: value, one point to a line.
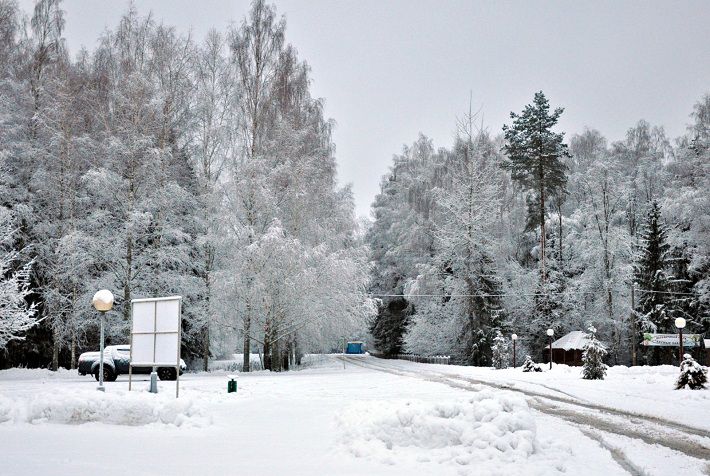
x: 535, y: 160
x: 651, y: 277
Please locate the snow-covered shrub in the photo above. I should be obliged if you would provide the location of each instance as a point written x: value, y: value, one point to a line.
x: 692, y: 374
x: 530, y: 366
x: 501, y: 352
x: 592, y: 358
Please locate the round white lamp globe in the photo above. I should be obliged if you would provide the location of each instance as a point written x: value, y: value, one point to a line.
x: 103, y: 300
x: 680, y: 322
x: 550, y: 332
x: 514, y: 336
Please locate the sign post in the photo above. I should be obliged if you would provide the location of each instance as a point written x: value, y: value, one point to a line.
x: 155, y: 336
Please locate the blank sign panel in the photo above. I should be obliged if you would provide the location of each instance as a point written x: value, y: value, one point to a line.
x: 168, y: 316
x: 142, y: 349
x: 166, y: 349
x: 143, y: 317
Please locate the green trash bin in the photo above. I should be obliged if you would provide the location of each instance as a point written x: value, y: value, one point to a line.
x: 232, y: 385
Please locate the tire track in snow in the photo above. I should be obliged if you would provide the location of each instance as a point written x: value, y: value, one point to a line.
x: 616, y: 453
x: 656, y: 431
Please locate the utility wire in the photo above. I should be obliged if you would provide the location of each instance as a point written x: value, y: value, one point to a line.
x: 522, y: 294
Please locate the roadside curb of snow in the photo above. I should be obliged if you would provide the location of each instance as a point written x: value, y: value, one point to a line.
x: 120, y: 408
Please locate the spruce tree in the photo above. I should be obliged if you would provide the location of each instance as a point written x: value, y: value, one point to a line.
x: 535, y: 160
x: 692, y: 374
x: 650, y: 272
x: 530, y: 366
x: 500, y: 351
x: 593, y: 356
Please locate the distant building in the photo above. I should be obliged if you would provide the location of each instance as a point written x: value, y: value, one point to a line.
x: 355, y: 347
x: 567, y: 349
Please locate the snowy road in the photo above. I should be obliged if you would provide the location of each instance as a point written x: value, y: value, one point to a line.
x: 362, y: 416
x: 604, y: 423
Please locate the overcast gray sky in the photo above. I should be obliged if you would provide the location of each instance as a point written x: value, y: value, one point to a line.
x: 391, y: 69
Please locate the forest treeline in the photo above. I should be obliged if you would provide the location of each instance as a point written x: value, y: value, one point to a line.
x: 156, y: 164
x: 517, y: 231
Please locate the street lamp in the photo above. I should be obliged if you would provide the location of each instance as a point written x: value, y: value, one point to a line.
x: 103, y: 302
x: 515, y: 338
x: 550, y: 333
x: 680, y: 324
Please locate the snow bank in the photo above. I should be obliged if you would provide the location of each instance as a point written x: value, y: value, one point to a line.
x: 120, y: 408
x: 498, y: 428
x: 20, y: 373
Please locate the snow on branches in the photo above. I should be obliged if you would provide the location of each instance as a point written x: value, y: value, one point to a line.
x: 692, y: 374
x: 15, y: 315
x: 594, y: 352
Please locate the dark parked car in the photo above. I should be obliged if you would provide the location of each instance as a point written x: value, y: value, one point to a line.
x: 116, y: 361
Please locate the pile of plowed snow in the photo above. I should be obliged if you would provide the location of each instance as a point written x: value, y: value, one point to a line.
x: 117, y: 408
x: 497, y: 428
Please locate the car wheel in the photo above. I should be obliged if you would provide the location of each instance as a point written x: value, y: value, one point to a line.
x: 109, y: 375
x: 166, y: 373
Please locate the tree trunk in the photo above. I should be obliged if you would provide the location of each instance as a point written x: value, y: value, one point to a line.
x: 559, y: 215
x: 206, y: 347
x: 298, y: 355
x: 247, y: 343
x: 55, y: 350
x: 633, y: 328
x: 72, y: 364
x: 543, y: 272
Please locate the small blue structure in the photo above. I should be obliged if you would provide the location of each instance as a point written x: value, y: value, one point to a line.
x: 355, y: 347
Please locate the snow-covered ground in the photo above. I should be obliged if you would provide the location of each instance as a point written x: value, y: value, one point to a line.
x: 643, y: 390
x: 332, y: 418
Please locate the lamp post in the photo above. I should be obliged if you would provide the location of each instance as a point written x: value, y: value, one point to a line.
x: 680, y: 324
x: 515, y: 338
x: 103, y: 302
x: 550, y: 333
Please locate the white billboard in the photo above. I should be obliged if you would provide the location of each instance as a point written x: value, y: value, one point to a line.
x: 155, y: 333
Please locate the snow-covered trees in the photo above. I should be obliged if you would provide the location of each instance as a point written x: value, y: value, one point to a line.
x: 156, y: 164
x: 626, y: 249
x: 432, y: 244
x: 292, y: 264
x: 692, y: 374
x: 593, y: 366
x: 16, y: 316
x: 500, y: 352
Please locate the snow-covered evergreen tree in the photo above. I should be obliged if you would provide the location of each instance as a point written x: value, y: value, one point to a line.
x: 593, y: 367
x: 651, y: 272
x: 535, y: 160
x: 500, y: 351
x: 692, y: 374
x: 530, y: 366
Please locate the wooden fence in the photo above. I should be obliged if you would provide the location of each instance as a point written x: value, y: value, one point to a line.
x: 422, y: 359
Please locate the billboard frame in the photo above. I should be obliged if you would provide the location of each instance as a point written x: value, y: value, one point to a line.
x: 155, y: 334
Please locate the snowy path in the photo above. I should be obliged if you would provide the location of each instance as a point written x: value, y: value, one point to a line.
x: 320, y: 421
x: 654, y: 431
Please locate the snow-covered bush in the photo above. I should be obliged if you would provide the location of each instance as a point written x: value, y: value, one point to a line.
x: 501, y: 352
x: 692, y: 374
x: 530, y: 366
x: 593, y: 356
